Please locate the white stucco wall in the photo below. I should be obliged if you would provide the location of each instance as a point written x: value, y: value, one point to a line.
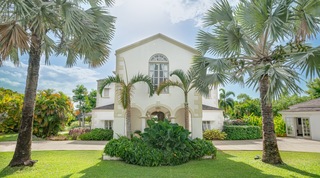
x: 215, y: 117
x: 99, y: 116
x: 315, y: 126
x: 102, y: 100
x: 314, y: 118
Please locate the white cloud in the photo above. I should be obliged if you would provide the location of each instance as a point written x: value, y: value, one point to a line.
x: 10, y: 82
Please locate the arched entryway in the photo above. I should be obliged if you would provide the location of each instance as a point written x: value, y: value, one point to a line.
x: 159, y: 115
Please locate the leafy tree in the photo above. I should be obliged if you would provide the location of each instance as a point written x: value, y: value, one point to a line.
x: 80, y: 95
x: 186, y: 84
x: 125, y: 92
x: 246, y: 42
x: 285, y: 101
x: 10, y: 110
x: 28, y: 27
x: 53, y: 110
x: 314, y: 88
x: 225, y: 101
x: 92, y: 99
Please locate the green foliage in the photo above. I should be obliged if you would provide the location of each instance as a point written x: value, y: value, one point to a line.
x: 253, y: 120
x: 235, y: 122
x: 161, y: 144
x: 242, y: 132
x: 97, y: 134
x: 10, y: 110
x: 245, y: 106
x: 225, y: 101
x: 52, y: 112
x: 285, y: 101
x: 279, y: 126
x: 314, y: 88
x: 214, y: 134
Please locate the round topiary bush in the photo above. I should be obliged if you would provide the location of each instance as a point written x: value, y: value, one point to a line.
x: 163, y: 143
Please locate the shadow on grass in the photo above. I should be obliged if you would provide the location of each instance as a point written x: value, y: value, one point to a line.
x: 10, y: 170
x: 298, y: 171
x: 223, y: 166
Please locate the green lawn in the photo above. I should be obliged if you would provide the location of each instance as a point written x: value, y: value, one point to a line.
x: 228, y: 164
x: 13, y: 137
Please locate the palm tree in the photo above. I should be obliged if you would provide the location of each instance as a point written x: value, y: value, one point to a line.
x: 28, y: 27
x: 125, y: 92
x: 249, y: 41
x: 225, y: 101
x: 188, y: 81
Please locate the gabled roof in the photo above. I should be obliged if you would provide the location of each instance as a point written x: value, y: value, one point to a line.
x: 312, y: 105
x: 157, y: 36
x: 206, y: 107
x: 106, y: 107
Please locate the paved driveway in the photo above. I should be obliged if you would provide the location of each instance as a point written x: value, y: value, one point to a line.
x: 285, y: 144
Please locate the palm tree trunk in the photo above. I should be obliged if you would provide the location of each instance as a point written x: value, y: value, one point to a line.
x: 270, y: 148
x: 128, y: 119
x: 186, y: 111
x: 22, y: 153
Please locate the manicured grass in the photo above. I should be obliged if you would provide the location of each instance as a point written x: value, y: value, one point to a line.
x: 13, y: 137
x: 228, y: 164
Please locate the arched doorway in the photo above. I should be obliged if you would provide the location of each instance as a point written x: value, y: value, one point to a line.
x: 160, y: 116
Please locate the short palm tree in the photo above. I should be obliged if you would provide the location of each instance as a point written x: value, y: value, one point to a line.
x: 225, y: 101
x: 125, y: 92
x: 43, y: 27
x: 186, y: 84
x: 250, y: 40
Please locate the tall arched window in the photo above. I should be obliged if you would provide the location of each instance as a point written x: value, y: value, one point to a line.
x: 159, y: 69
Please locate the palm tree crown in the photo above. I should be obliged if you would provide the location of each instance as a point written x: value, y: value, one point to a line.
x: 46, y: 27
x: 188, y: 81
x: 248, y: 40
x: 125, y: 92
x: 225, y: 101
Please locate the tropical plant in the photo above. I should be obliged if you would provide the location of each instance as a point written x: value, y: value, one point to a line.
x: 53, y: 111
x: 249, y: 40
x: 214, y: 134
x: 245, y: 106
x: 97, y: 134
x: 314, y: 88
x: 80, y: 96
x: 125, y: 92
x: 10, y: 110
x: 163, y: 143
x: 225, y: 101
x: 186, y: 84
x: 29, y: 27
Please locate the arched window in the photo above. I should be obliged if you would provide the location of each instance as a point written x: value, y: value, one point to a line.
x: 159, y: 70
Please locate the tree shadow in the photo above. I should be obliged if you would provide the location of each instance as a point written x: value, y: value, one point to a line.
x: 10, y: 170
x: 223, y: 166
x: 298, y: 171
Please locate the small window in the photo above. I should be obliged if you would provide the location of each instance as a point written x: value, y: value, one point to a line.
x: 108, y: 125
x: 206, y: 125
x: 106, y: 92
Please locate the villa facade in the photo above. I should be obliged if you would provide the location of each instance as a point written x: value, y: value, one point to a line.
x: 156, y: 56
x: 303, y: 119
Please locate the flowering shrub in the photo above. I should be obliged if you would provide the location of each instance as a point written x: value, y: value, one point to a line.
x: 75, y: 133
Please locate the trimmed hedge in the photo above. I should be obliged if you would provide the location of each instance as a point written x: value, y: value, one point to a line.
x: 97, y: 134
x: 242, y: 132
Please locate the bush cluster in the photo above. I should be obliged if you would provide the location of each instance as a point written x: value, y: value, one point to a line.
x: 75, y: 133
x: 97, y: 134
x: 279, y: 126
x: 161, y: 144
x: 235, y: 122
x: 214, y: 134
x: 242, y: 132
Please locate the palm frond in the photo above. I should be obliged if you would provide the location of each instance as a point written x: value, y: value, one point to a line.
x: 220, y: 12
x: 168, y: 83
x: 182, y: 77
x: 143, y: 78
x: 307, y: 61
x: 12, y: 35
x: 110, y: 79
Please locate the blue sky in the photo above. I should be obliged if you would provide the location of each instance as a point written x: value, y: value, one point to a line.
x: 136, y: 20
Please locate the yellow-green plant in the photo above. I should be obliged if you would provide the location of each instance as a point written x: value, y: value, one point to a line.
x: 214, y: 134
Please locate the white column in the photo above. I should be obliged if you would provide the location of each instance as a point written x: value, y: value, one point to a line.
x: 143, y: 123
x: 173, y: 120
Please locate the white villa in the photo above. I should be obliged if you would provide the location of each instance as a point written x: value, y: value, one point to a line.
x: 155, y: 56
